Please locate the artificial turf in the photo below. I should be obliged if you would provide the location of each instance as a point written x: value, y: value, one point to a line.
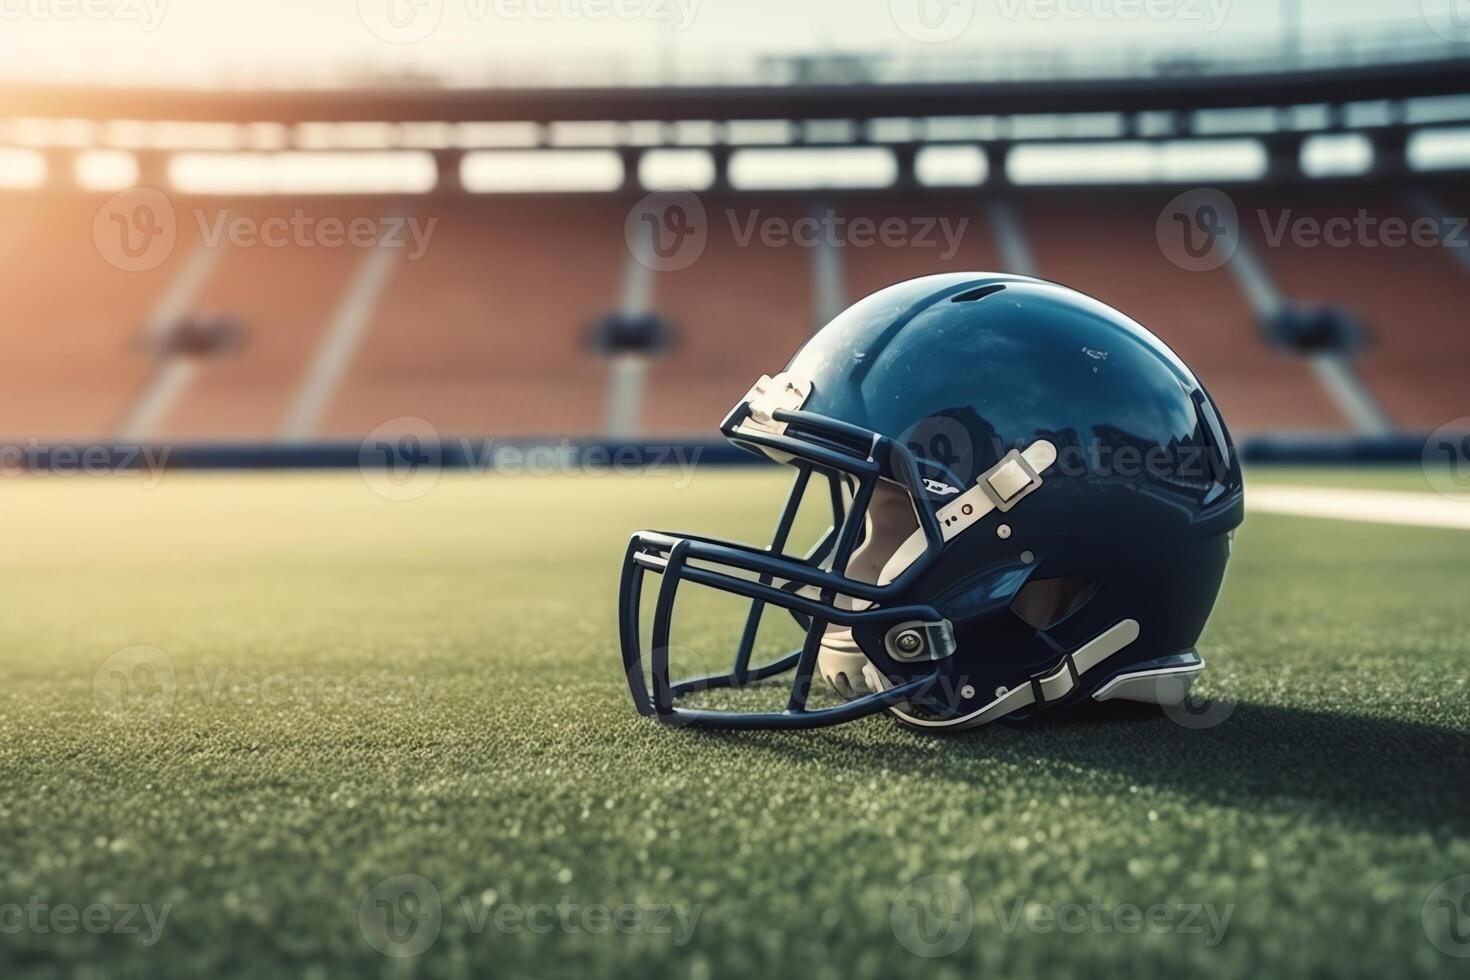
x: 365, y: 688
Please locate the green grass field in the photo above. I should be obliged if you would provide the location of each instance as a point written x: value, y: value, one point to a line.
x: 345, y: 689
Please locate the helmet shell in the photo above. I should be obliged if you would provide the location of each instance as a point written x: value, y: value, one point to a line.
x: 1134, y: 518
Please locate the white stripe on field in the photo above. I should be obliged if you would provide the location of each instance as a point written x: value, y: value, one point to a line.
x: 1371, y: 506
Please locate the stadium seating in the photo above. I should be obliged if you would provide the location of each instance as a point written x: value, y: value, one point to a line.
x: 1105, y: 244
x: 70, y: 334
x: 283, y: 298
x: 488, y: 331
x: 1411, y: 299
x: 740, y: 309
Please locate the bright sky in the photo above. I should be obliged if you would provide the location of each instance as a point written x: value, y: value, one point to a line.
x: 180, y: 40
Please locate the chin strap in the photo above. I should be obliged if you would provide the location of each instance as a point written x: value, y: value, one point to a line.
x: 999, y: 488
x: 1041, y: 689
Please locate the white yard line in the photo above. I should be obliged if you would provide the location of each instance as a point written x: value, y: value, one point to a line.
x: 1371, y: 506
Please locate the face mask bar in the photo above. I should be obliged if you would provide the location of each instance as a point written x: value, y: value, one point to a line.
x: 815, y: 444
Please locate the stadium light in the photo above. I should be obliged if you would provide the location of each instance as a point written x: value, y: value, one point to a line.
x: 22, y: 169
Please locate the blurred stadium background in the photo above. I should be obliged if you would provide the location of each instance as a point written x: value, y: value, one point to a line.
x: 271, y: 264
x: 384, y: 234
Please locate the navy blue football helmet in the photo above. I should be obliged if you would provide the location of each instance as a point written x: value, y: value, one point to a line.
x: 1033, y: 505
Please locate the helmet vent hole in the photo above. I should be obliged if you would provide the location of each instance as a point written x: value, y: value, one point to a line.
x: 981, y: 293
x: 1043, y: 603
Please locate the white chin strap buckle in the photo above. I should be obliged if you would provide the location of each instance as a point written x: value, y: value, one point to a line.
x: 783, y: 393
x: 1000, y: 488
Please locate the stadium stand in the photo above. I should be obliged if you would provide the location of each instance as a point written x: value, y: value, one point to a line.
x: 485, y: 333
x: 964, y: 215
x: 1104, y: 244
x: 1411, y: 299
x: 489, y: 332
x: 283, y: 297
x: 71, y: 333
x: 739, y: 310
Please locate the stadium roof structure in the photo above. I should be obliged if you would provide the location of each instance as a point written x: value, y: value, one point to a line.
x: 1382, y: 101
x: 1446, y: 74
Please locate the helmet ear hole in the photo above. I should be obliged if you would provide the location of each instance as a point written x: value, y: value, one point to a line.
x: 890, y: 520
x: 1042, y: 603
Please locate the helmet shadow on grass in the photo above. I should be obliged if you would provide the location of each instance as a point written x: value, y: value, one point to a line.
x: 1398, y: 774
